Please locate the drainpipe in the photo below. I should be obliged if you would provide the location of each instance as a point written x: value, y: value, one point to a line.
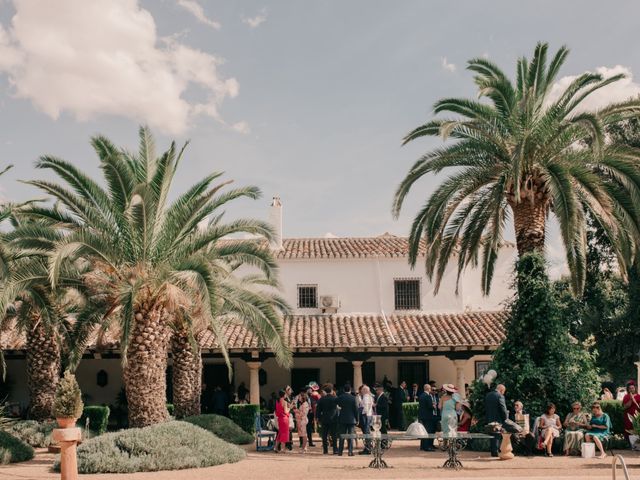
x: 384, y: 317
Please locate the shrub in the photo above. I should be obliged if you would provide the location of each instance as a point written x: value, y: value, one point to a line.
x: 68, y: 401
x: 98, y: 417
x: 539, y: 362
x: 170, y: 409
x: 410, y: 412
x: 244, y: 415
x: 36, y: 434
x: 222, y: 427
x: 13, y: 449
x: 616, y: 413
x: 167, y: 446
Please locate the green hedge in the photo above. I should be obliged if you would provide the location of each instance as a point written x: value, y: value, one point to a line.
x: 245, y: 416
x: 616, y: 413
x: 166, y: 446
x: 170, y: 409
x: 410, y: 412
x: 37, y: 434
x: 222, y: 427
x: 13, y: 449
x: 98, y: 416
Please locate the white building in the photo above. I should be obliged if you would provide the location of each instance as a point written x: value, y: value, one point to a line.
x: 361, y: 314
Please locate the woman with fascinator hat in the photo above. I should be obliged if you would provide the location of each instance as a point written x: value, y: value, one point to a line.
x: 631, y: 405
x: 449, y: 406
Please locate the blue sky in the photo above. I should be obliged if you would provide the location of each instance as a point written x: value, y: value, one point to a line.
x: 310, y: 103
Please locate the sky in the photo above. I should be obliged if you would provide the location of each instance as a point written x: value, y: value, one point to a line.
x: 308, y: 100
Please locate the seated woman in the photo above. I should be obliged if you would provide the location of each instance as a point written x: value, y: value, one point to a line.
x: 599, y: 428
x: 464, y: 420
x: 574, y: 424
x: 549, y: 426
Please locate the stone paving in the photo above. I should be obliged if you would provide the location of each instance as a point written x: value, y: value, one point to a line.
x: 406, y: 460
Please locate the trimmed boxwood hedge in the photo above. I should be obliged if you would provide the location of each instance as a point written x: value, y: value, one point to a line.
x: 166, y: 446
x: 98, y: 416
x: 222, y: 427
x: 36, y: 434
x: 410, y: 412
x: 244, y: 415
x: 616, y: 413
x: 13, y: 450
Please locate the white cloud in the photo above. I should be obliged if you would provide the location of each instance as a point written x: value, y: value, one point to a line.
x: 449, y: 67
x: 195, y: 9
x: 615, y: 92
x: 104, y: 57
x: 255, y: 22
x: 241, y: 127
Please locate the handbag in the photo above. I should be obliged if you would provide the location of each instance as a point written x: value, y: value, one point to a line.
x: 292, y: 422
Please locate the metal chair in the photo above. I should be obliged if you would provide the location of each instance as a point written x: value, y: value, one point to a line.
x: 262, y: 435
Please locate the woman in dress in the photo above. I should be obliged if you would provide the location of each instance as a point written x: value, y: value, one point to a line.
x: 599, y: 428
x: 282, y: 414
x: 549, y: 426
x: 464, y: 422
x: 449, y: 405
x: 631, y: 405
x: 574, y: 424
x: 302, y: 418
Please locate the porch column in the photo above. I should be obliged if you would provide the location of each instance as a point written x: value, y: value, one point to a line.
x: 638, y: 368
x: 460, y: 379
x: 357, y: 374
x: 254, y: 382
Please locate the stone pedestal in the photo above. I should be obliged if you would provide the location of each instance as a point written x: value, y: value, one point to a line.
x: 68, y: 439
x: 506, y: 450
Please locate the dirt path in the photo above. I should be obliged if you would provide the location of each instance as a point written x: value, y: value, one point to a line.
x: 406, y: 460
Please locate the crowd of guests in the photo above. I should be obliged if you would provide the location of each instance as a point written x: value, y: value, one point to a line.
x: 335, y: 412
x: 578, y: 426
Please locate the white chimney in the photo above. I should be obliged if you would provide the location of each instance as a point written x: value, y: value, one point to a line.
x: 275, y: 219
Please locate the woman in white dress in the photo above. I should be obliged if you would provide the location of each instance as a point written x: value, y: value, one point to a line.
x: 549, y: 426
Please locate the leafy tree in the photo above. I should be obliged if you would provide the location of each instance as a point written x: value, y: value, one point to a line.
x: 539, y: 362
x: 149, y: 257
x: 522, y: 154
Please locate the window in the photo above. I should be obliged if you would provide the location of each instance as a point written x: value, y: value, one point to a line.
x: 481, y: 368
x: 307, y: 296
x: 407, y: 294
x: 413, y: 372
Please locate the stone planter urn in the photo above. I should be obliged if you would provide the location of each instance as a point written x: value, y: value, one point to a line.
x: 66, y: 422
x: 67, y: 408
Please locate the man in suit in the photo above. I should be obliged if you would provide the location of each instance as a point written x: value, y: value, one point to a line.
x: 496, y: 411
x: 414, y: 393
x: 428, y: 415
x: 327, y: 414
x: 381, y: 407
x: 347, y: 417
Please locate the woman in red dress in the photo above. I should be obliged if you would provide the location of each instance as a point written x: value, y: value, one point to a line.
x: 464, y: 422
x: 631, y: 405
x: 282, y: 414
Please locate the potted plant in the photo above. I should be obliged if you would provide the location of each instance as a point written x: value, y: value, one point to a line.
x: 634, y: 433
x: 67, y: 406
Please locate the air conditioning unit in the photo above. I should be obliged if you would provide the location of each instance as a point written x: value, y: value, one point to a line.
x: 329, y: 303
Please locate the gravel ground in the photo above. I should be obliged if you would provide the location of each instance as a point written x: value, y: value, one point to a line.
x: 406, y: 460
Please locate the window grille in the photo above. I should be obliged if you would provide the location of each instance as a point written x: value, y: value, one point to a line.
x: 307, y: 296
x: 407, y: 294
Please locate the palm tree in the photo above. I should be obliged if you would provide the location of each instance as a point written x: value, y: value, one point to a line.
x: 147, y: 255
x: 523, y: 153
x: 34, y: 309
x: 241, y: 301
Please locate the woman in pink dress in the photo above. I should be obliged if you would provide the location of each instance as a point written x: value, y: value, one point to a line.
x: 282, y: 414
x: 631, y: 405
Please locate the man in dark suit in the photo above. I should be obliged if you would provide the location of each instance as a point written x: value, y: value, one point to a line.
x: 347, y: 417
x: 414, y: 393
x: 381, y: 407
x: 327, y: 414
x: 495, y: 411
x: 428, y: 415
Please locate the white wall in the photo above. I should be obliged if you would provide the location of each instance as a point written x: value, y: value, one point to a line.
x: 367, y: 285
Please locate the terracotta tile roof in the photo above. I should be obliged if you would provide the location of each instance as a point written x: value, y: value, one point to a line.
x: 354, y: 332
x: 371, y: 332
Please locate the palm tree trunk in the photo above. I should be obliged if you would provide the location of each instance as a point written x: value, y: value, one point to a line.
x: 529, y: 220
x: 187, y: 375
x: 146, y: 366
x: 43, y: 370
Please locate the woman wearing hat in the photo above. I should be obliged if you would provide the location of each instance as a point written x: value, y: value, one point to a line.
x: 449, y: 406
x: 631, y: 405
